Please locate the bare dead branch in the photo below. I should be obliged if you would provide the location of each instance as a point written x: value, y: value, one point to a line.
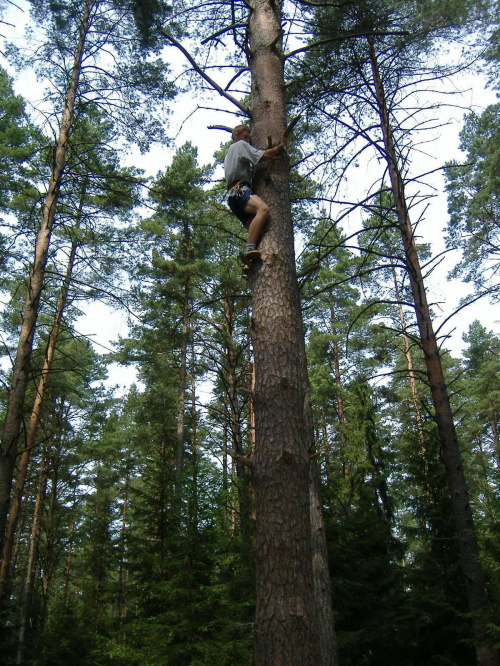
x: 222, y: 31
x: 221, y: 127
x: 202, y: 73
x: 347, y: 35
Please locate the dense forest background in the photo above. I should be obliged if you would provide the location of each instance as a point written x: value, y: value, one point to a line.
x: 129, y: 517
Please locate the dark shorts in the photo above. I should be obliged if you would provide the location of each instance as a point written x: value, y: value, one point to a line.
x: 237, y: 200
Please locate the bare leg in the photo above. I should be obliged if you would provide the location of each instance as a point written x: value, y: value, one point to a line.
x: 260, y: 211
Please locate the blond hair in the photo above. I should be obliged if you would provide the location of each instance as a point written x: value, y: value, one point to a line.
x: 238, y: 130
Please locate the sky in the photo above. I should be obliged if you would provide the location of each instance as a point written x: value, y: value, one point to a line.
x: 104, y: 326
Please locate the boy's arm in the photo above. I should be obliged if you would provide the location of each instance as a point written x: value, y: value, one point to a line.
x: 272, y: 152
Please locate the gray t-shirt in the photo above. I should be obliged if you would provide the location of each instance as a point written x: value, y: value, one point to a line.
x: 239, y: 161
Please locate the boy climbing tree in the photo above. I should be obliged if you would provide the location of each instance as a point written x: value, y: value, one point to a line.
x: 245, y: 204
x: 293, y: 615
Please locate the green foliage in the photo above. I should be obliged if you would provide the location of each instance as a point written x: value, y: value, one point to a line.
x: 119, y: 72
x: 17, y: 143
x: 144, y: 565
x: 473, y: 191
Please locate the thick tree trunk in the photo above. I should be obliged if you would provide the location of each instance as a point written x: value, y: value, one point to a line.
x: 469, y: 549
x: 33, y: 425
x: 20, y: 372
x: 286, y: 630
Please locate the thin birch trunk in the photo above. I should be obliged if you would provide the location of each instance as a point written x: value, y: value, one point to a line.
x: 416, y: 406
x: 251, y: 428
x: 477, y: 596
x: 125, y: 606
x: 233, y: 497
x: 20, y: 372
x: 251, y: 406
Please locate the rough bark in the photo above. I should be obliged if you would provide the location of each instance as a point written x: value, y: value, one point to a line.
x: 477, y: 597
x: 20, y: 372
x: 286, y: 630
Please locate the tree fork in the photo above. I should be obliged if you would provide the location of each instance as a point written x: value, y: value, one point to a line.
x: 477, y: 596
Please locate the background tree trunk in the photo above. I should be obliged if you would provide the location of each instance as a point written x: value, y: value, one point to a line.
x: 469, y: 549
x: 29, y: 584
x: 234, y: 413
x: 20, y: 373
x: 34, y: 420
